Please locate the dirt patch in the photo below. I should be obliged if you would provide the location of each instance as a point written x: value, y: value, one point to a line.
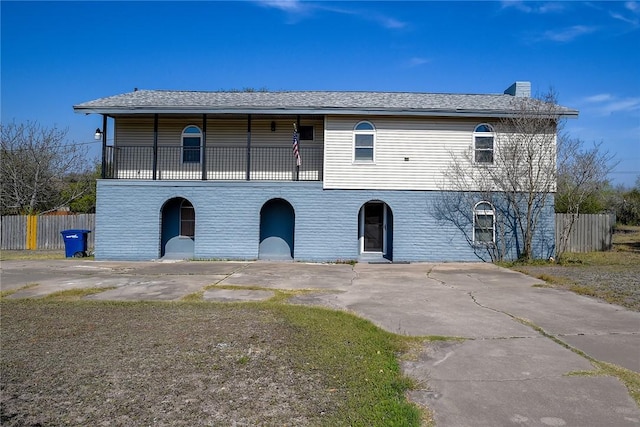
x: 155, y: 364
x: 615, y: 284
x: 613, y: 276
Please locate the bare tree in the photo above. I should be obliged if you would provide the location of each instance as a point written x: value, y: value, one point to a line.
x: 512, y: 167
x: 35, y: 166
x: 582, y: 175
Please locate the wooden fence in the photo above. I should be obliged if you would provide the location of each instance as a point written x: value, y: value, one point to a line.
x: 42, y: 232
x: 589, y: 232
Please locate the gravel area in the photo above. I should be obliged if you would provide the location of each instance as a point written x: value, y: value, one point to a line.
x: 613, y: 276
x: 618, y: 284
x: 102, y: 364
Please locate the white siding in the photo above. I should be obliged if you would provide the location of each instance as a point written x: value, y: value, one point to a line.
x: 425, y: 142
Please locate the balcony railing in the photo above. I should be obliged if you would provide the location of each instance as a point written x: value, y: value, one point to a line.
x: 221, y: 163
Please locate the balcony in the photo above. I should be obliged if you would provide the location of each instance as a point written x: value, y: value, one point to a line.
x: 232, y: 162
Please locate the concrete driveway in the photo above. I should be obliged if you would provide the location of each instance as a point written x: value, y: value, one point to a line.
x: 503, y: 373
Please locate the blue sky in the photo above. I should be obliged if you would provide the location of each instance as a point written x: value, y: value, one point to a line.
x: 57, y: 54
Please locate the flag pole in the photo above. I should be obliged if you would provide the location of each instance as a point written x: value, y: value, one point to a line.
x: 296, y: 149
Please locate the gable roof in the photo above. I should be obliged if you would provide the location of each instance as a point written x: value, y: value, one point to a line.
x: 340, y: 103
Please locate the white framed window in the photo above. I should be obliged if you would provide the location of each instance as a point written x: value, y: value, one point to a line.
x: 191, y: 144
x: 364, y: 141
x: 484, y: 223
x: 483, y: 144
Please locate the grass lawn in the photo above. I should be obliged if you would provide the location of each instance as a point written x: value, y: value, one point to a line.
x: 197, y: 363
x: 18, y: 255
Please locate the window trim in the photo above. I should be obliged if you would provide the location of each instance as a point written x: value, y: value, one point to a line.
x: 484, y: 212
x: 372, y: 132
x: 482, y: 134
x: 184, y: 135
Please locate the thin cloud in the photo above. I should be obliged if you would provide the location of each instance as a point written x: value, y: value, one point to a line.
x: 623, y: 105
x: 284, y: 5
x: 530, y: 7
x: 567, y: 34
x: 601, y: 97
x: 606, y: 104
x: 551, y: 8
x: 417, y: 61
x: 633, y: 6
x: 383, y: 20
x: 633, y: 21
x: 299, y: 8
x: 518, y: 5
x: 389, y: 22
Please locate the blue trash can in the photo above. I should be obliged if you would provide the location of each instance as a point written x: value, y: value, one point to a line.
x: 75, y: 243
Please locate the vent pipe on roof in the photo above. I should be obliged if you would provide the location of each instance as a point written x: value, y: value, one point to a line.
x: 519, y: 89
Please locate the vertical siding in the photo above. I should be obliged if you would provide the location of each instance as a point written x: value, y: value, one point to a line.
x: 49, y: 228
x: 589, y: 232
x: 14, y: 230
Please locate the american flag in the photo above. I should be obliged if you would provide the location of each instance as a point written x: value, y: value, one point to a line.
x: 296, y: 149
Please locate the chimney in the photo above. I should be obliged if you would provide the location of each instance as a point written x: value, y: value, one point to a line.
x: 519, y: 89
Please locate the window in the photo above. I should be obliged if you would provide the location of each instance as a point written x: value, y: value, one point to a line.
x: 306, y: 133
x: 187, y: 219
x: 483, y: 223
x: 364, y: 138
x: 191, y: 142
x: 483, y: 137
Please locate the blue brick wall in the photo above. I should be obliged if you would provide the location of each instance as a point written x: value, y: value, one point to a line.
x: 128, y: 221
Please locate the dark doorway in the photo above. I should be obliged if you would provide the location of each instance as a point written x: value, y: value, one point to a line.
x: 177, y: 228
x: 277, y: 226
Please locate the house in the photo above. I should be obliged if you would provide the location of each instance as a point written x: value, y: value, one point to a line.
x: 214, y: 175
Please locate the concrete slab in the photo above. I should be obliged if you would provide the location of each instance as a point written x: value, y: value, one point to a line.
x: 180, y: 267
x: 557, y: 401
x: 496, y: 360
x: 620, y: 349
x: 16, y: 274
x: 561, y: 312
x: 405, y: 299
x: 293, y: 275
x: 432, y: 312
x: 166, y: 289
x: 232, y: 295
x: 516, y: 382
x: 138, y: 287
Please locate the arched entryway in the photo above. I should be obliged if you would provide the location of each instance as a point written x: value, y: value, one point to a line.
x: 178, y: 229
x: 375, y: 230
x: 277, y: 225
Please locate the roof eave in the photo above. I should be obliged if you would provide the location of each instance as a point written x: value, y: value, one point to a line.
x: 304, y: 111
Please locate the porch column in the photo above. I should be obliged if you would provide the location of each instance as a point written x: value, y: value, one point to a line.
x: 103, y: 173
x: 204, y: 147
x: 155, y: 146
x: 248, y: 174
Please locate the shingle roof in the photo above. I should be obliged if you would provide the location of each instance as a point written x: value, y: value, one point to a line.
x: 378, y: 103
